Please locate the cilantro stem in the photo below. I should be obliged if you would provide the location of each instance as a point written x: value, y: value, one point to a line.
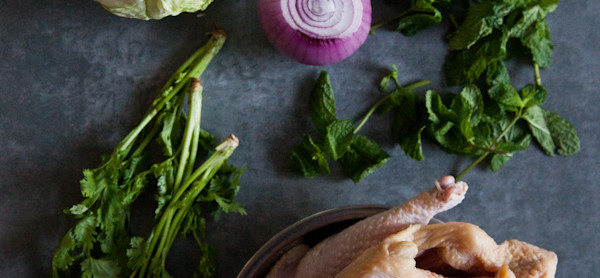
x: 193, y: 123
x: 170, y: 222
x: 370, y: 112
x: 536, y: 74
x: 145, y: 142
x: 484, y: 155
x: 200, y: 60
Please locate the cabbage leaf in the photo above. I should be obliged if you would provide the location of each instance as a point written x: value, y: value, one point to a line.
x: 153, y: 9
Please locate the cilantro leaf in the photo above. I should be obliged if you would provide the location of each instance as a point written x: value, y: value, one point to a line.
x: 322, y: 103
x: 207, y: 266
x: 62, y: 258
x: 308, y: 159
x: 84, y: 232
x: 362, y: 158
x: 99, y: 268
x: 135, y: 252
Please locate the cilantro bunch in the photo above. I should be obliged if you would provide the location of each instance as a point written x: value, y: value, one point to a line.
x: 102, y: 243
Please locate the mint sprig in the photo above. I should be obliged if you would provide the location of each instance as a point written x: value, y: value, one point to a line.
x: 359, y: 155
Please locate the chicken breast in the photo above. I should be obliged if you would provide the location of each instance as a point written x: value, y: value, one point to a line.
x: 459, y: 248
x: 388, y: 259
x: 333, y: 254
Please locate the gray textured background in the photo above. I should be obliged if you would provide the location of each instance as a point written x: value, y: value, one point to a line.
x: 74, y: 79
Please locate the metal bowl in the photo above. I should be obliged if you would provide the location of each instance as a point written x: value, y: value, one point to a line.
x: 310, y: 231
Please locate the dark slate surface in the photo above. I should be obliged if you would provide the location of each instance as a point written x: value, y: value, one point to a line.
x: 74, y: 79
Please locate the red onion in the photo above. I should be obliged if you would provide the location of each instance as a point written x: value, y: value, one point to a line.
x: 316, y: 32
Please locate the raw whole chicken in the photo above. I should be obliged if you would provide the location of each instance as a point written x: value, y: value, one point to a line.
x: 398, y: 243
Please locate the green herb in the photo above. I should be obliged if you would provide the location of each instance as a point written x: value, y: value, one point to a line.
x: 358, y: 155
x: 421, y: 15
x: 102, y: 242
x: 489, y: 119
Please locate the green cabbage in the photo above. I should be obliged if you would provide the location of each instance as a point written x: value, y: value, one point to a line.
x: 153, y: 9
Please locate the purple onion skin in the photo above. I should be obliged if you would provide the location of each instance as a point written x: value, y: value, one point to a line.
x: 305, y: 49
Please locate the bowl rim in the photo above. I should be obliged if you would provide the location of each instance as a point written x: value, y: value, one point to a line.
x: 293, y: 234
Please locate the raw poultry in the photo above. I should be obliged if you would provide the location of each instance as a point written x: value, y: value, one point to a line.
x: 399, y: 243
x: 453, y: 249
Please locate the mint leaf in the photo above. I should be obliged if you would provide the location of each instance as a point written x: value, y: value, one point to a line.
x: 394, y: 99
x: 384, y: 84
x: 308, y: 160
x: 563, y: 134
x: 533, y: 95
x: 467, y: 102
x: 362, y: 158
x: 506, y: 95
x: 480, y: 21
x: 423, y: 15
x: 465, y: 66
x: 468, y: 106
x: 498, y: 160
x: 338, y: 137
x: 501, y: 90
x: 438, y: 112
x: 411, y: 144
x: 537, y: 39
x: 408, y: 124
x: 534, y: 116
x: 322, y: 103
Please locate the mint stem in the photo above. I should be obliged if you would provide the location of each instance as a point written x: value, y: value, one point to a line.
x: 397, y: 17
x: 368, y: 115
x: 484, y: 155
x: 536, y: 74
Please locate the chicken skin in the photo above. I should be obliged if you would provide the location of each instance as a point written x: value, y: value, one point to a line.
x: 286, y: 266
x: 463, y: 248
